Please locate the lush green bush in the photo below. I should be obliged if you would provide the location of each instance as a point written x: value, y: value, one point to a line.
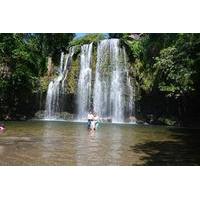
x: 87, y: 39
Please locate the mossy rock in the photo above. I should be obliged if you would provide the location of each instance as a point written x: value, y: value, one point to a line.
x: 44, y: 82
x: 72, y: 77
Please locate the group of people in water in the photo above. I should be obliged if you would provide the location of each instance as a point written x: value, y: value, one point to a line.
x: 93, y: 121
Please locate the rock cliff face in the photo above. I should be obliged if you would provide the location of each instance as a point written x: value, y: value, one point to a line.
x: 50, y: 66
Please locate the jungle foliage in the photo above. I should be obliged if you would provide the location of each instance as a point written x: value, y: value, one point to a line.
x: 167, y: 69
x: 23, y: 60
x: 88, y: 38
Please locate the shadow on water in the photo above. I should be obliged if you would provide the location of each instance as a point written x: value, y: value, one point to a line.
x: 182, y: 150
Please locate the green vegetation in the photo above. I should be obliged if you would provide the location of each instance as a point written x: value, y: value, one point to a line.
x: 72, y: 78
x: 23, y: 62
x: 167, y: 70
x: 88, y: 38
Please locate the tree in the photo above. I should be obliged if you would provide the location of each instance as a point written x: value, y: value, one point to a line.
x: 88, y: 38
x: 173, y: 73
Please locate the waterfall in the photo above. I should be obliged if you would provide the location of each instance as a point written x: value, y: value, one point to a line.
x: 101, y: 84
x: 106, y: 88
x: 56, y: 88
x: 113, y: 92
x: 116, y: 90
x: 84, y: 81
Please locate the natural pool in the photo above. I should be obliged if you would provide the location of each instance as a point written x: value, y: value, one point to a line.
x: 69, y: 143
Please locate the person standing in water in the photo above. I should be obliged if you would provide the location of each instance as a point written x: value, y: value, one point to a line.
x: 2, y: 127
x: 96, y: 120
x: 94, y: 123
x: 90, y: 119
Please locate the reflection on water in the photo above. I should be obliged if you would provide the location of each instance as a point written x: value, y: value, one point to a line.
x: 99, y: 148
x: 65, y: 143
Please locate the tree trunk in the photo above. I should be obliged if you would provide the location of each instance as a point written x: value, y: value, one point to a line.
x: 49, y: 66
x: 179, y: 112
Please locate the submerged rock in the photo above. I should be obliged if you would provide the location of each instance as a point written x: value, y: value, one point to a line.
x: 63, y: 115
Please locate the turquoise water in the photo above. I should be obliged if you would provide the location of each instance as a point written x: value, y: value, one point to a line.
x: 68, y: 143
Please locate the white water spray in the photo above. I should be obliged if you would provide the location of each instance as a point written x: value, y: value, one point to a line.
x: 84, y: 82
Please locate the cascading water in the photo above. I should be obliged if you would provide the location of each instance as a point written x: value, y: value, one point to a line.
x: 116, y: 90
x: 110, y: 94
x: 56, y: 88
x: 113, y: 93
x: 85, y: 81
x: 101, y: 86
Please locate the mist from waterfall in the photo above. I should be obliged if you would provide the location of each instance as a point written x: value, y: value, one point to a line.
x: 84, y: 81
x: 56, y: 88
